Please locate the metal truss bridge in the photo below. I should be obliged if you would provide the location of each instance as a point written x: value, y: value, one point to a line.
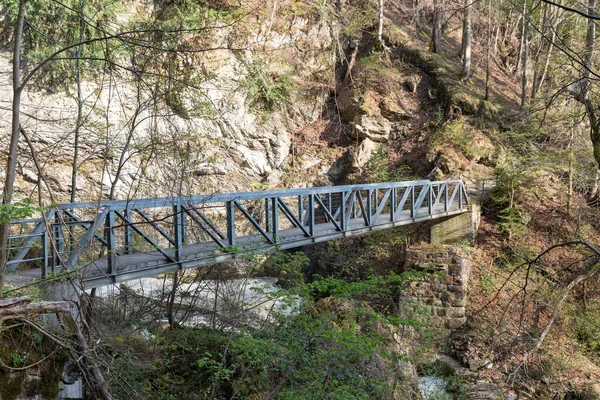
x: 113, y: 241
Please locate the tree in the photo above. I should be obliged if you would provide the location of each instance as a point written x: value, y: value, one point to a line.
x: 466, y: 41
x: 550, y: 22
x: 438, y: 24
x: 11, y: 163
x: 525, y: 51
x: 380, y: 28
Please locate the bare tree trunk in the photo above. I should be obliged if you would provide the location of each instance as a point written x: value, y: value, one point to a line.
x: 525, y: 58
x: 581, y: 95
x: 466, y: 41
x: 11, y: 163
x: 570, y: 155
x: 438, y: 21
x: 523, y: 20
x: 590, y: 44
x: 380, y: 29
x: 537, y: 83
x: 497, y: 34
x: 268, y: 32
x: 542, y: 46
x: 79, y: 99
x: 171, y: 301
x: 489, y: 52
x: 556, y: 311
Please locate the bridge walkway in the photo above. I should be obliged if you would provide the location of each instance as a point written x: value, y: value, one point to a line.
x: 115, y: 241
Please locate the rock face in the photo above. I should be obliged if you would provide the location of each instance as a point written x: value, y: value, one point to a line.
x: 372, y: 101
x: 216, y: 138
x: 362, y: 154
x: 408, y: 382
x: 377, y: 129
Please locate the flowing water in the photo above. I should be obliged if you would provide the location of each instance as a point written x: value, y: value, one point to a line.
x: 433, y: 388
x: 214, y: 302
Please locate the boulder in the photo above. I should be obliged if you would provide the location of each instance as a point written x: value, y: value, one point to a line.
x: 376, y: 128
x: 362, y: 154
x: 482, y: 390
x: 407, y: 382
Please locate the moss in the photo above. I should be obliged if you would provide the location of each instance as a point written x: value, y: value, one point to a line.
x: 11, y: 385
x: 50, y: 373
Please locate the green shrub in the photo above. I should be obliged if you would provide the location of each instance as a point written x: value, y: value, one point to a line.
x: 587, y: 329
x: 265, y: 91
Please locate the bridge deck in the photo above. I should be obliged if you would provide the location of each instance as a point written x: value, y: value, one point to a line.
x: 133, y: 266
x: 314, y: 215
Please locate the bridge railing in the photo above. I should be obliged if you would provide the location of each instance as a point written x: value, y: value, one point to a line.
x: 183, y: 230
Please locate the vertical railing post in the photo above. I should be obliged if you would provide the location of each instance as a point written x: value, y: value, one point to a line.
x: 111, y: 243
x: 231, y: 222
x: 300, y: 207
x: 45, y: 253
x: 127, y: 231
x: 275, y: 218
x: 59, y: 241
x: 446, y: 197
x: 343, y: 224
x: 369, y: 206
x: 430, y: 199
x: 460, y: 195
x: 178, y: 232
x: 393, y: 201
x: 311, y: 214
x: 268, y: 214
x: 412, y: 201
x: 183, y: 225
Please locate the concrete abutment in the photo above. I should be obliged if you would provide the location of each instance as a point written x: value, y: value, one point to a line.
x: 460, y: 228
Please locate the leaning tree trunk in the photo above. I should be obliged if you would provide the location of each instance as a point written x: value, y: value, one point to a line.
x: 11, y: 163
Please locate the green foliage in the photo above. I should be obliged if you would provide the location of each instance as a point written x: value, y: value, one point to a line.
x: 189, y: 14
x: 381, y: 169
x: 439, y: 115
x: 52, y: 26
x: 456, y: 134
x: 511, y: 220
x: 18, y: 359
x: 587, y: 330
x: 289, y: 268
x: 21, y: 209
x: 267, y: 92
x: 358, y: 18
x: 487, y: 283
x: 341, y: 330
x: 511, y: 181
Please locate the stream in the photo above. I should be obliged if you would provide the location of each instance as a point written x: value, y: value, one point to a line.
x: 209, y: 303
x: 433, y: 388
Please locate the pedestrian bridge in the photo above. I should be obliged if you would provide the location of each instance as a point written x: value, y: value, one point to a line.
x: 113, y: 241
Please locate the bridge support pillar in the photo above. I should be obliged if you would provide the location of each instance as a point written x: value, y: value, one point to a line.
x: 71, y: 384
x: 461, y: 228
x: 59, y: 291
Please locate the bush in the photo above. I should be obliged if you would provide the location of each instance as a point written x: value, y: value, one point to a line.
x: 587, y: 329
x: 265, y: 91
